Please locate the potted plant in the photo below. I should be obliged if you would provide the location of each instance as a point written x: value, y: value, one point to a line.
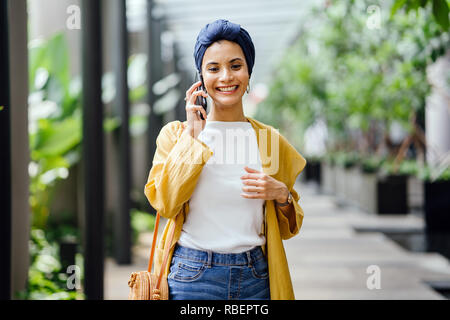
x: 328, y: 176
x: 341, y: 178
x: 347, y: 179
x: 436, y: 183
x: 313, y: 169
x: 368, y: 168
x: 392, y: 186
x: 436, y: 198
x: 353, y: 184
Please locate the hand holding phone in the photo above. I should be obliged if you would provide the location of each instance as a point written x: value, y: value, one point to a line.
x: 195, y: 112
x: 201, y: 101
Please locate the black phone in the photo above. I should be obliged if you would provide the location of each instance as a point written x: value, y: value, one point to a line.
x: 201, y: 101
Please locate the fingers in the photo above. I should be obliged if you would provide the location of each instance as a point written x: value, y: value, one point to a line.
x: 195, y: 108
x: 252, y: 176
x: 192, y: 88
x: 253, y: 189
x: 254, y: 183
x: 252, y: 196
x: 195, y: 95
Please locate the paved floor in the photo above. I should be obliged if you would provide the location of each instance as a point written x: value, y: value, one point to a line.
x: 328, y: 259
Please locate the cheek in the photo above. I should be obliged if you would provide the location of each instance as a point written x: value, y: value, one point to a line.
x: 209, y: 84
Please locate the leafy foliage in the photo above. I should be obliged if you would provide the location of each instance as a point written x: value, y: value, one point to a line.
x: 55, y: 131
x: 360, y: 80
x: 46, y: 279
x: 141, y: 222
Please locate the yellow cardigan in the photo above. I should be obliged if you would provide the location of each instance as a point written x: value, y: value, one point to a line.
x: 177, y: 164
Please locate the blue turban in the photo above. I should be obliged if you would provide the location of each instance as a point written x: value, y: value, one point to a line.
x: 226, y: 30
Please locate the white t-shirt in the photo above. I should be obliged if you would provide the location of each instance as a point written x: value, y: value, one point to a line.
x: 219, y: 218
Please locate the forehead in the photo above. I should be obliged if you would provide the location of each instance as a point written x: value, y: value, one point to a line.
x: 223, y: 51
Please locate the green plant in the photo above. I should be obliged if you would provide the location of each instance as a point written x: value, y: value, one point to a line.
x: 314, y: 158
x: 347, y: 159
x: 141, y: 222
x: 433, y: 174
x: 408, y: 167
x: 55, y: 135
x: 371, y: 164
x: 329, y: 158
x: 46, y: 279
x: 439, y: 7
x: 55, y: 117
x: 54, y: 122
x: 359, y: 80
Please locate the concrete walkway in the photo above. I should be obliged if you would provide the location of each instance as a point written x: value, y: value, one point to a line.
x: 328, y: 259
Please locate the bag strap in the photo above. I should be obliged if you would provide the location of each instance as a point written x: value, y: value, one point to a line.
x: 166, y: 251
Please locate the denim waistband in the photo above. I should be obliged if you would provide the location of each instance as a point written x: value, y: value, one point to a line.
x: 211, y: 257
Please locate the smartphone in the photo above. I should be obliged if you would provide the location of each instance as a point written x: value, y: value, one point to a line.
x: 201, y: 101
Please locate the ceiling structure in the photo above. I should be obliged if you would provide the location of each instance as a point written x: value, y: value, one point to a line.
x: 273, y: 25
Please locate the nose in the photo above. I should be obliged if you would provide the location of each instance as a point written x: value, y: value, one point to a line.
x: 226, y: 75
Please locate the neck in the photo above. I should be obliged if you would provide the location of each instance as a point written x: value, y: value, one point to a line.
x: 228, y: 113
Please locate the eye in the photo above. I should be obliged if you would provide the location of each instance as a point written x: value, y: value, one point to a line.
x: 236, y: 66
x: 213, y: 69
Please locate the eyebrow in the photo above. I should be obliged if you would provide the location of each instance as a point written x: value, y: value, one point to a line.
x: 231, y: 61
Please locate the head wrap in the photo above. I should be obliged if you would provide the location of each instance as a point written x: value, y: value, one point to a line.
x: 226, y: 30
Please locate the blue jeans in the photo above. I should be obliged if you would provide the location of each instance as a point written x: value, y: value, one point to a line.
x: 207, y: 275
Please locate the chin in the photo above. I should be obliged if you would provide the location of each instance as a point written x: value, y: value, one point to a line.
x: 226, y: 102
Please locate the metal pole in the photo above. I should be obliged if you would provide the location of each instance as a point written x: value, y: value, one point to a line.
x: 20, y: 152
x: 5, y: 158
x: 154, y: 73
x: 180, y: 111
x: 93, y: 149
x: 122, y: 229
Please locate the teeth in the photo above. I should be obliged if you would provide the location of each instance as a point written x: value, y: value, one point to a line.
x: 227, y: 89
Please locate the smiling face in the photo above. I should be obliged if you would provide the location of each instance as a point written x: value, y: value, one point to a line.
x: 225, y: 73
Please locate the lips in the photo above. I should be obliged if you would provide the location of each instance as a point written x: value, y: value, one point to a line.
x: 227, y: 89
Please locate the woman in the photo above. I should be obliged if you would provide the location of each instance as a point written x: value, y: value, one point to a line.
x: 227, y: 218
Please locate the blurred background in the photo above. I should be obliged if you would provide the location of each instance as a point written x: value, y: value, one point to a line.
x: 360, y: 88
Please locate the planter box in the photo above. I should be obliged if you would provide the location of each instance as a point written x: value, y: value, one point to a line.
x: 313, y: 171
x: 347, y: 185
x: 437, y: 216
x: 340, y: 186
x: 392, y: 195
x: 368, y: 192
x: 333, y: 173
x: 328, y: 178
x: 415, y: 194
x: 437, y: 207
x: 353, y: 185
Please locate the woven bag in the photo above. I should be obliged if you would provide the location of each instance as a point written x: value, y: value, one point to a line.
x: 145, y: 285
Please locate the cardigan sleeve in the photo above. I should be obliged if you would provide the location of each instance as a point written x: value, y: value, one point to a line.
x: 177, y: 164
x: 287, y: 231
x: 293, y: 164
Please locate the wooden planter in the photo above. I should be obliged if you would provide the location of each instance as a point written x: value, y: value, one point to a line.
x: 392, y: 195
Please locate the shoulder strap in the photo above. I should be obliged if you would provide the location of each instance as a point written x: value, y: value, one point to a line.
x: 166, y: 251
